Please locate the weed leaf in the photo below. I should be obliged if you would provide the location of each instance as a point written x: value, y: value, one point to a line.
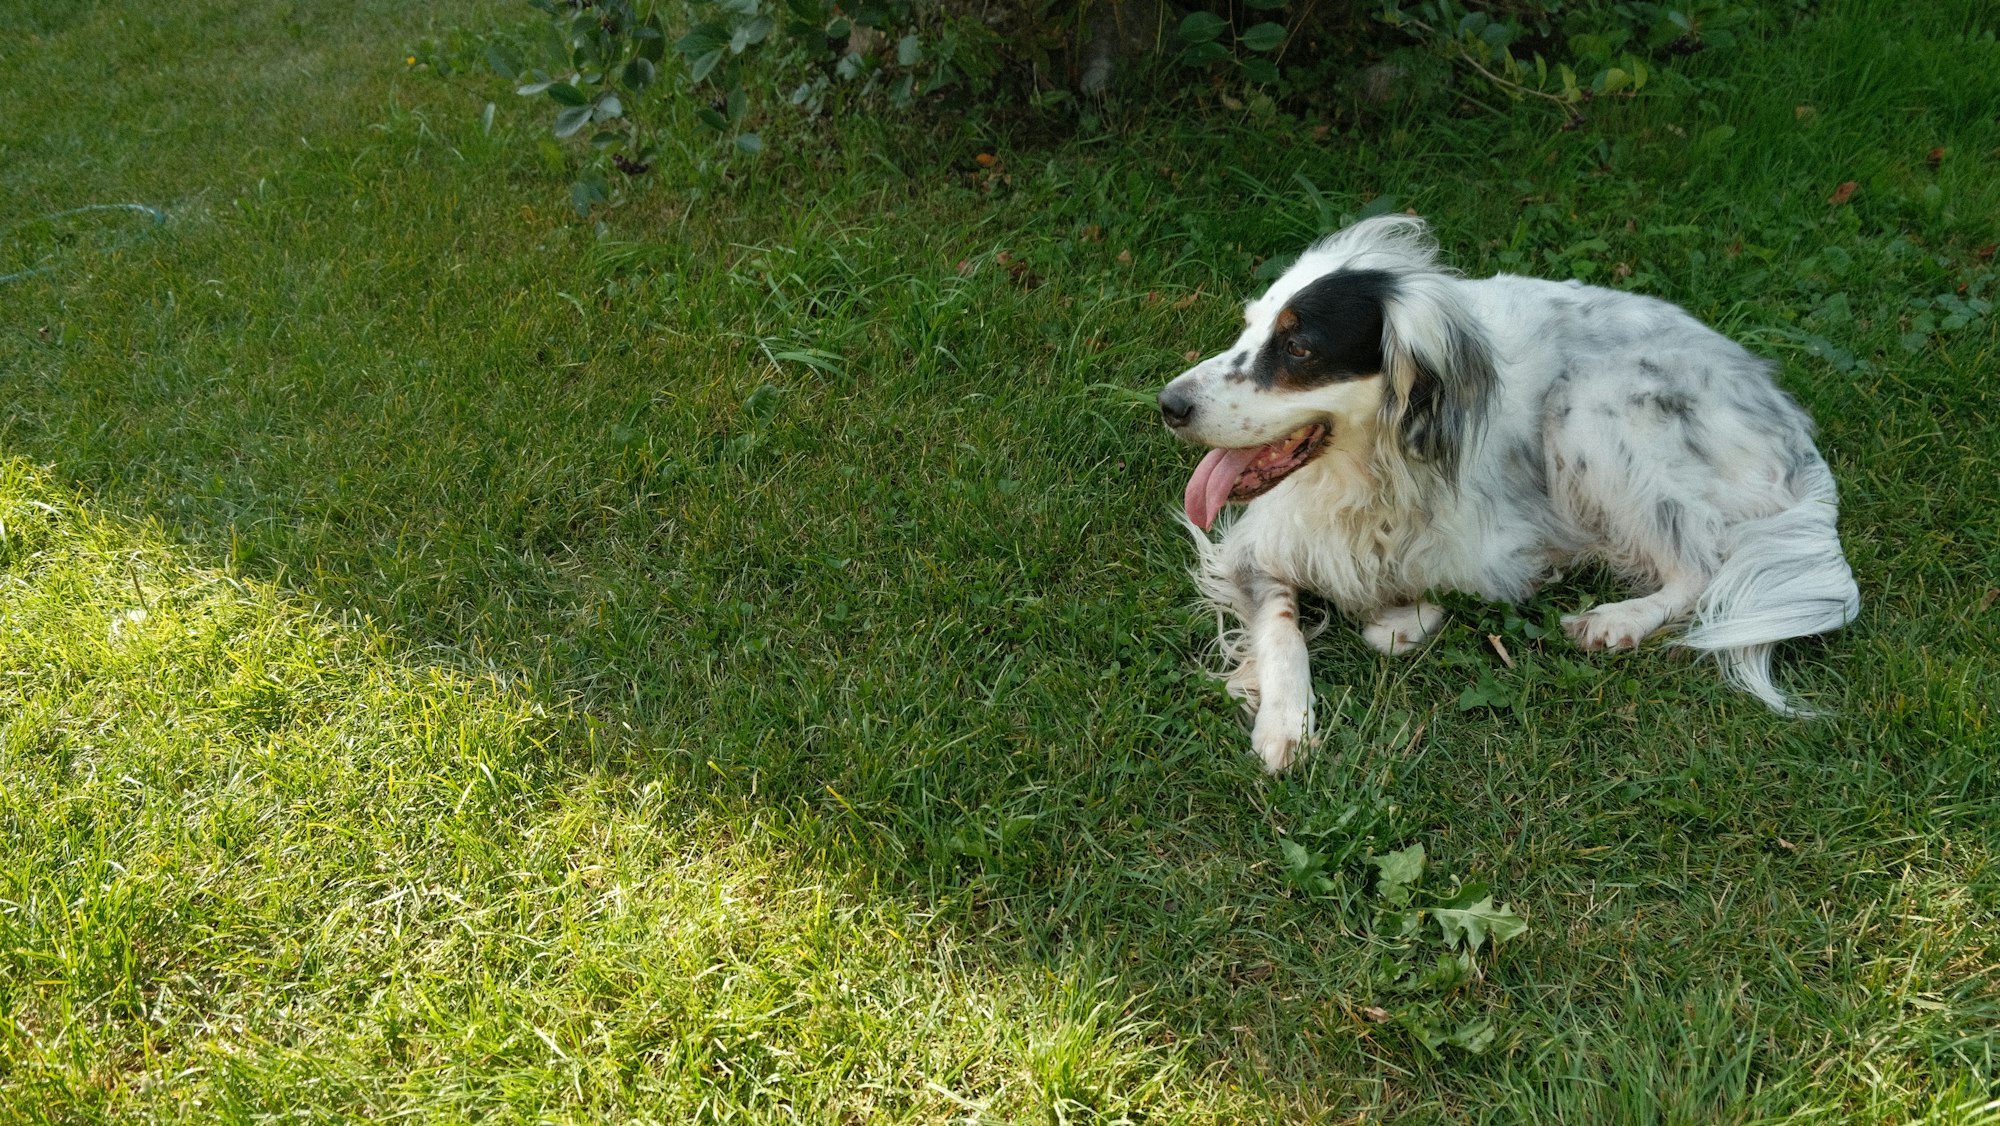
x: 1305, y: 869
x: 1478, y: 922
x: 1399, y: 870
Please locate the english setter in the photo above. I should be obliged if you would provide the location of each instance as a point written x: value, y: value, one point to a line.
x: 1397, y: 429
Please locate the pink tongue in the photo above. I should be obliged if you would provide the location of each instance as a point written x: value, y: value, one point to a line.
x: 1208, y: 490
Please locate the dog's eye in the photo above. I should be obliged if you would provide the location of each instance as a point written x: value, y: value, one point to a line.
x: 1297, y: 349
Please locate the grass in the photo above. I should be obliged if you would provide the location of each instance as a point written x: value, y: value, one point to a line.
x: 457, y: 662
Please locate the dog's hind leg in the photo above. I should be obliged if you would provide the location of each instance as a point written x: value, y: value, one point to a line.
x: 1623, y: 625
x: 1634, y: 465
x: 1284, y: 680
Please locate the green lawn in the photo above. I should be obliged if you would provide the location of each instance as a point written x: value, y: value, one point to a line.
x: 735, y: 664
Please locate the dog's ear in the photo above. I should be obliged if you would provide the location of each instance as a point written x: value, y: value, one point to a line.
x: 1440, y: 374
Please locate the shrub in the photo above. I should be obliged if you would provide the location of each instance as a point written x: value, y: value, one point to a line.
x: 610, y: 69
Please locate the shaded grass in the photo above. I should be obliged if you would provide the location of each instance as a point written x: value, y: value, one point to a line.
x: 755, y: 676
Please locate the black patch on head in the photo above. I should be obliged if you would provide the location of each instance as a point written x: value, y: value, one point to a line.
x: 1336, y: 322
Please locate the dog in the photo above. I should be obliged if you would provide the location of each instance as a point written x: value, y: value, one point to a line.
x: 1394, y: 429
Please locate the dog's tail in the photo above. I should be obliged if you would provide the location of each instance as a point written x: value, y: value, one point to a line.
x: 1782, y: 576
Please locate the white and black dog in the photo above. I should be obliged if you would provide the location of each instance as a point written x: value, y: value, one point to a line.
x: 1399, y: 429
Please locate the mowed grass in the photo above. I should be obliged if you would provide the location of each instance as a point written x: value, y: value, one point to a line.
x: 734, y: 664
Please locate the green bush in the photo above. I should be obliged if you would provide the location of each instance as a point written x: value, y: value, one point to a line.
x: 613, y: 70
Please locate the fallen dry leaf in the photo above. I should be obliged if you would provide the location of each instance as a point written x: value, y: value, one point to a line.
x: 1842, y: 194
x: 1500, y: 647
x: 986, y: 159
x: 1374, y: 1014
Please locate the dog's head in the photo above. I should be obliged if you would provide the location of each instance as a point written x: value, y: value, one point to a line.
x: 1363, y: 341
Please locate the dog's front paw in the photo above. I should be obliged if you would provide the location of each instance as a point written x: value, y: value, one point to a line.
x: 1277, y: 737
x: 1399, y: 629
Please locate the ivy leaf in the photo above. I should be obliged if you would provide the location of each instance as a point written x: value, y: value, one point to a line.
x: 639, y: 74
x: 1265, y: 37
x: 502, y: 63
x: 652, y: 40
x: 1399, y: 870
x: 1203, y: 54
x: 750, y: 34
x: 1202, y: 27
x: 571, y: 120
x: 705, y: 65
x: 701, y: 40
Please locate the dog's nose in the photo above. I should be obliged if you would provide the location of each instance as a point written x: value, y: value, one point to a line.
x: 1176, y: 408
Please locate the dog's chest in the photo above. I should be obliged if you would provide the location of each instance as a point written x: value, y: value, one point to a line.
x: 1318, y: 532
x: 1362, y: 556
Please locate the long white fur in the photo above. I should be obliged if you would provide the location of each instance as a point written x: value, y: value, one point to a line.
x: 1591, y: 424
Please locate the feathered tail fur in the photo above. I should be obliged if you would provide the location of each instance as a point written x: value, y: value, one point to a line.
x: 1782, y: 576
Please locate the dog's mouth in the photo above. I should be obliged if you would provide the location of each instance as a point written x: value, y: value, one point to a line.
x: 1234, y: 475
